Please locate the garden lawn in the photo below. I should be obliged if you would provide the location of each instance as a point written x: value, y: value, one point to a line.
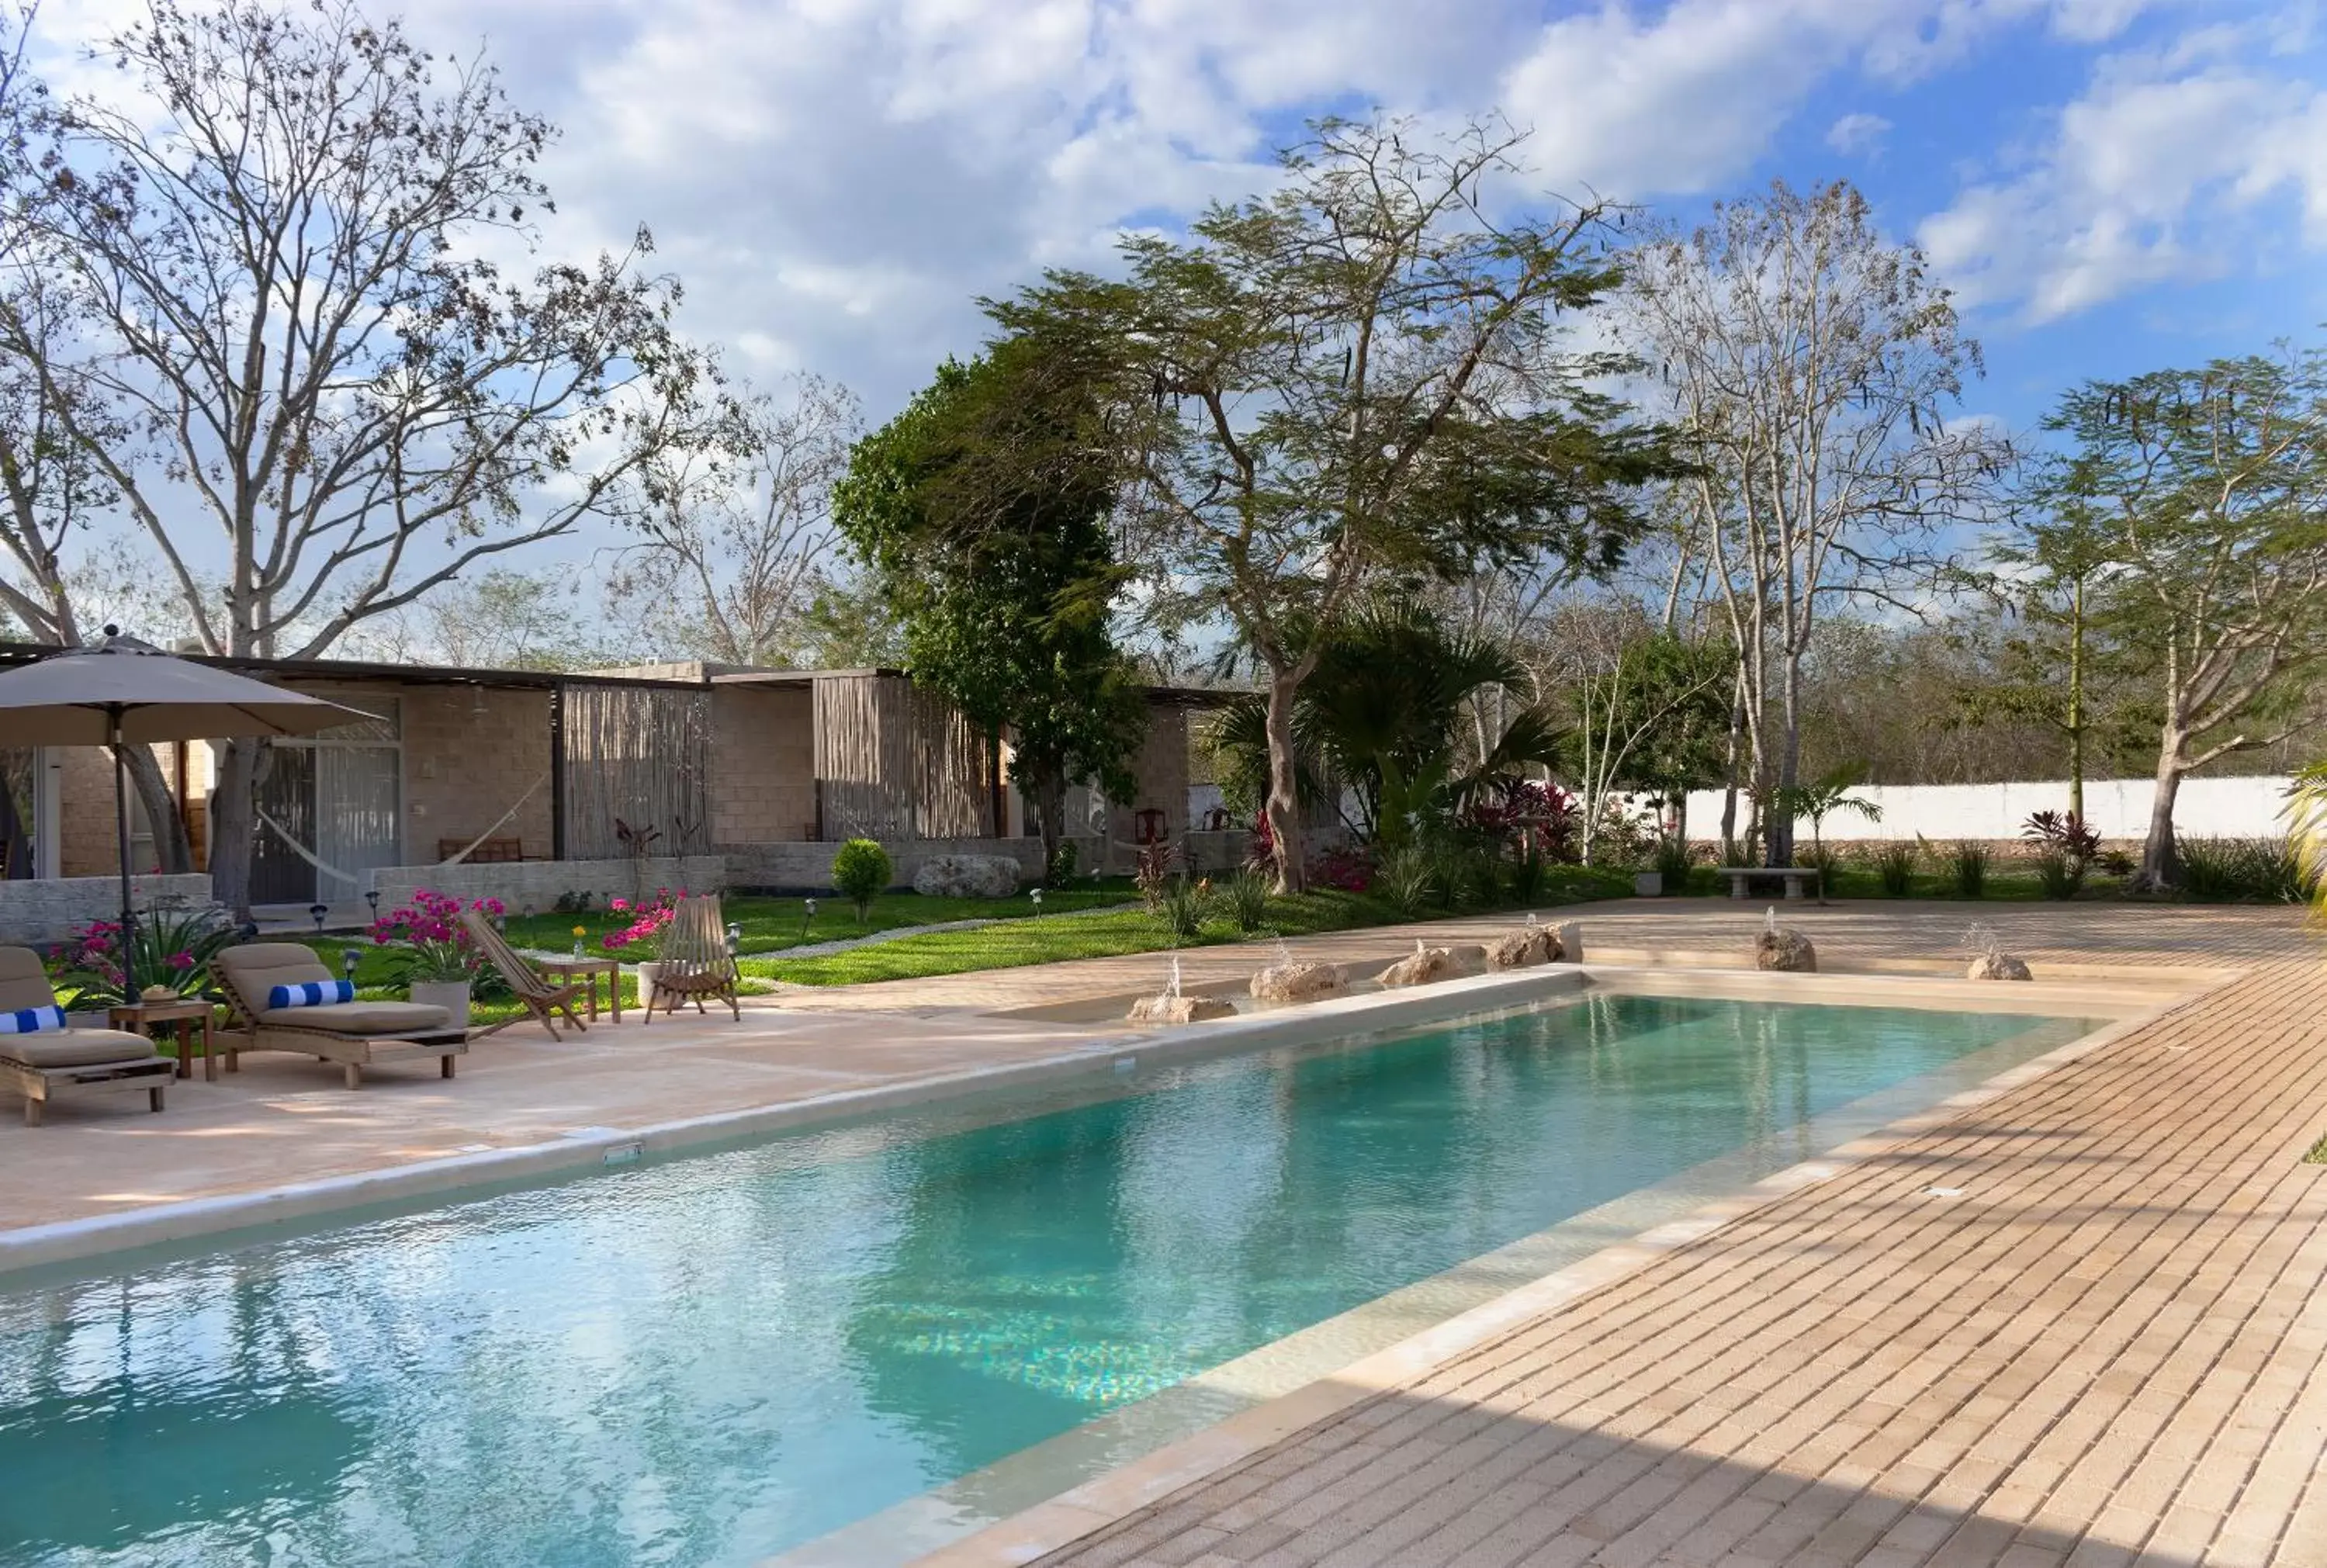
x: 772, y: 924
x: 1112, y: 933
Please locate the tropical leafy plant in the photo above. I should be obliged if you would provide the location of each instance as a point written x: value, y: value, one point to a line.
x: 1894, y: 867
x: 1530, y: 874
x: 1381, y: 715
x: 1967, y: 863
x: 1674, y: 860
x: 1248, y: 899
x: 2067, y: 833
x: 1409, y: 877
x: 170, y: 946
x: 1820, y: 800
x: 2059, y: 872
x: 1183, y: 901
x: 2246, y: 870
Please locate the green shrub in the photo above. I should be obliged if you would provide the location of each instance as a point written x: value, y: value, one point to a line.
x: 1967, y: 863
x: 1472, y: 877
x: 1408, y: 878
x: 1247, y: 893
x: 1822, y: 858
x: 1062, y: 864
x: 2251, y: 870
x: 1894, y: 865
x: 861, y: 873
x: 2059, y: 872
x: 1182, y: 902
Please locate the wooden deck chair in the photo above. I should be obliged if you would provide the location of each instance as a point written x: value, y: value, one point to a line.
x: 541, y: 997
x: 695, y: 962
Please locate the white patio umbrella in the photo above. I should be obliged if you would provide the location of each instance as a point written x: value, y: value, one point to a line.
x: 124, y: 692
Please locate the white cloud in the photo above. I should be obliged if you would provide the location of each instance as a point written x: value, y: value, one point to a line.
x: 1858, y: 135
x: 2164, y: 168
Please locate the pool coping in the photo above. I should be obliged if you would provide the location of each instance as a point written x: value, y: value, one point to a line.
x: 1121, y: 1493
x: 248, y: 1215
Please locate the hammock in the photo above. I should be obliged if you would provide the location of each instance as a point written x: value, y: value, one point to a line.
x: 355, y: 881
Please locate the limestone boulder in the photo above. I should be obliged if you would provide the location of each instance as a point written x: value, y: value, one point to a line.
x: 1181, y: 1009
x: 1999, y: 967
x: 1294, y: 982
x: 1524, y: 948
x: 1785, y: 949
x: 966, y: 876
x: 1428, y: 965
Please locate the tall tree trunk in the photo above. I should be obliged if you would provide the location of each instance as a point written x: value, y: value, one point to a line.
x: 2076, y: 702
x: 2161, y: 858
x: 1284, y: 806
x: 231, y: 823
x: 171, y: 851
x: 1049, y: 801
x: 1729, y: 764
x: 1779, y: 840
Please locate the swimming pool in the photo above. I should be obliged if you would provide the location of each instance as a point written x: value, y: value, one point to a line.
x: 708, y: 1359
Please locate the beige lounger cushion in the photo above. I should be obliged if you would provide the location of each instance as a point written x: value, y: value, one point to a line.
x: 23, y: 982
x: 388, y: 1018
x: 77, y: 1047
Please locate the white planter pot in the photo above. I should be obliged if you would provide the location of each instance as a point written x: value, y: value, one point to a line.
x: 451, y: 995
x: 1649, y: 884
x: 647, y: 969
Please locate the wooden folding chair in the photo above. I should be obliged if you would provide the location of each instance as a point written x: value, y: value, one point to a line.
x: 695, y: 962
x: 540, y: 996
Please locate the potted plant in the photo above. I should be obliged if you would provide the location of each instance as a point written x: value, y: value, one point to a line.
x: 429, y: 952
x: 170, y: 948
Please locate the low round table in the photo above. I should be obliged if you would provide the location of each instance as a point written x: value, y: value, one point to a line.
x: 589, y: 969
x: 181, y: 1017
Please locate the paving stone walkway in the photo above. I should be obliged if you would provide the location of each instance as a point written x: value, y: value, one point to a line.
x: 2082, y: 1324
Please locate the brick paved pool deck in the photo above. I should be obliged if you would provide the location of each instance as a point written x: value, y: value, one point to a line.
x: 2080, y: 1323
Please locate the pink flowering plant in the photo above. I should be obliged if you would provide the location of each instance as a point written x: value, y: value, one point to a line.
x: 647, y: 920
x: 428, y: 944
x: 167, y: 946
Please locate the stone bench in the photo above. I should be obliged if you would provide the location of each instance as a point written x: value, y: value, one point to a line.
x: 1742, y: 878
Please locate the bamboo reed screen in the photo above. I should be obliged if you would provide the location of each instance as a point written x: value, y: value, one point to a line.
x: 896, y: 763
x: 641, y: 754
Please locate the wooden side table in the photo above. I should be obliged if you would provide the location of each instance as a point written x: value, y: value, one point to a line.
x: 181, y: 1019
x: 589, y: 969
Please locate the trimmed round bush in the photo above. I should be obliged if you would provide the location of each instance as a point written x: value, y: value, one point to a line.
x: 860, y: 874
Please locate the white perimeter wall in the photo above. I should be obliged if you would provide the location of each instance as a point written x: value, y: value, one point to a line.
x: 2116, y: 807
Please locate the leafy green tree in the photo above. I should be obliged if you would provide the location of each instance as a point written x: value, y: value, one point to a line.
x: 1650, y: 716
x: 981, y: 514
x: 1821, y: 799
x: 1363, y: 377
x: 2202, y: 493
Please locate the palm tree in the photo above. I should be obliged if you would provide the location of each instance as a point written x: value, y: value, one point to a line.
x: 1821, y: 800
x: 2306, y: 830
x: 1381, y: 716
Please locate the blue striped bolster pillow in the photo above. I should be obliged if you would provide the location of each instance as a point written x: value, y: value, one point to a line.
x: 31, y: 1020
x: 312, y: 993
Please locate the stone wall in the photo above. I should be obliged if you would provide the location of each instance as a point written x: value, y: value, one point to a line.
x: 32, y: 913
x: 469, y: 753
x: 534, y: 885
x: 762, y: 764
x: 805, y: 868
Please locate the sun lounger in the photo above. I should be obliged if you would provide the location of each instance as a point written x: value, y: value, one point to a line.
x: 51, y: 1064
x: 355, y: 1034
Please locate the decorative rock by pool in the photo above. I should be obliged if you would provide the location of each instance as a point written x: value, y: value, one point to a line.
x: 1430, y: 965
x: 1180, y: 1009
x: 966, y: 876
x: 1524, y: 948
x: 1783, y: 948
x: 1293, y: 981
x: 1999, y: 967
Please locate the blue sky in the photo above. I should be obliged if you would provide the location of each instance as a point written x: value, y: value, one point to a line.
x: 2114, y: 184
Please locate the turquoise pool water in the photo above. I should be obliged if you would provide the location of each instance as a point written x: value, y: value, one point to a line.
x: 708, y: 1359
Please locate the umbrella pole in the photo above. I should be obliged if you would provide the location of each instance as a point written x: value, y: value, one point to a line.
x: 121, y: 826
